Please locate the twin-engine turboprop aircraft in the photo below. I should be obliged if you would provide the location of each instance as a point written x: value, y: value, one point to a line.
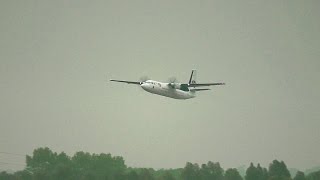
x: 172, y: 89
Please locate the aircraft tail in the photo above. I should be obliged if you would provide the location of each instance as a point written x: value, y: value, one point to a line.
x: 193, y: 76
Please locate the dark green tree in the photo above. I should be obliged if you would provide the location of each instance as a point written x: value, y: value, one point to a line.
x: 63, y: 158
x: 232, y: 174
x: 265, y: 173
x: 278, y: 170
x: 62, y: 167
x: 262, y: 173
x: 6, y: 176
x: 299, y: 176
x: 163, y: 174
x: 146, y: 174
x: 44, y: 164
x: 119, y: 176
x: 41, y: 157
x: 215, y: 170
x: 205, y: 173
x: 252, y: 173
x: 166, y: 176
x: 23, y: 175
x: 88, y: 176
x: 314, y: 176
x: 62, y: 171
x: 256, y: 173
x: 81, y: 160
x: 133, y: 175
x: 40, y: 174
x: 190, y: 172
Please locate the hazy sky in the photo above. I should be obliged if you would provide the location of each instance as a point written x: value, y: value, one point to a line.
x: 56, y: 58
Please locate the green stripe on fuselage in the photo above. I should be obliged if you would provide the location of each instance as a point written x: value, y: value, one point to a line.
x: 184, y: 87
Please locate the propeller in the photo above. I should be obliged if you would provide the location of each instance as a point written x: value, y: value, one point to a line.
x: 173, y: 82
x: 143, y: 79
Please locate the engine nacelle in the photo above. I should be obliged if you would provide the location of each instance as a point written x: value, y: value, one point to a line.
x: 174, y: 85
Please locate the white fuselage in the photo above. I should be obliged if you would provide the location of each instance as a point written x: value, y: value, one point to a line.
x: 164, y: 89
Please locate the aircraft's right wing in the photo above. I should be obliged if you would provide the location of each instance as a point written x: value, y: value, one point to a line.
x: 204, y: 89
x: 204, y: 84
x: 128, y: 82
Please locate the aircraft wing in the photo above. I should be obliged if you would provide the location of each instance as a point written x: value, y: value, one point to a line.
x: 129, y: 82
x: 204, y: 89
x: 204, y: 84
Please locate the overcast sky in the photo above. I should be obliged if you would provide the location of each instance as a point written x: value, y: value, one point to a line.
x: 56, y: 58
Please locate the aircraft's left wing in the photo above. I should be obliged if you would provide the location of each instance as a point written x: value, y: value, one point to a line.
x: 204, y: 84
x: 129, y: 82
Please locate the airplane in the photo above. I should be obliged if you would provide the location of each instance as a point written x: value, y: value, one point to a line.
x: 172, y: 89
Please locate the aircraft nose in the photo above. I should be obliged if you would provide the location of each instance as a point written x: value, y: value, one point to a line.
x: 143, y: 85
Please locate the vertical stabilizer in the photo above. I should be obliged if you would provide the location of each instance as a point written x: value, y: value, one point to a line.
x: 193, y: 77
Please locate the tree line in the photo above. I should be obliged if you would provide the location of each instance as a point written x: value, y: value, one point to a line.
x: 45, y: 164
